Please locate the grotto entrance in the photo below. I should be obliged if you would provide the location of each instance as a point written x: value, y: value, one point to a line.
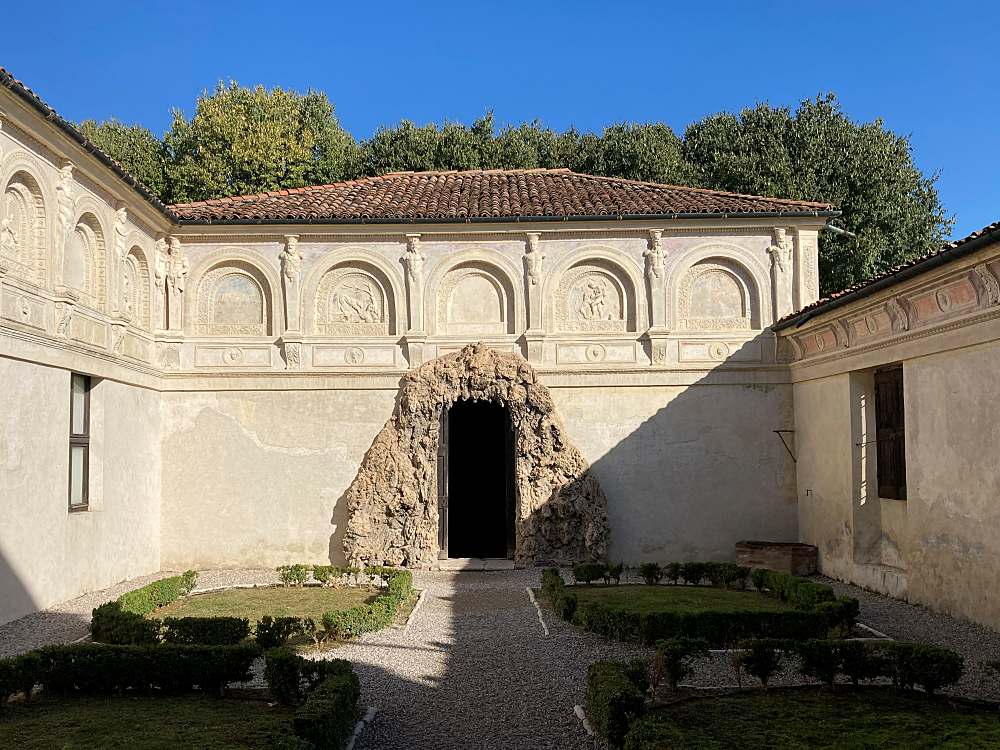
x: 476, y: 490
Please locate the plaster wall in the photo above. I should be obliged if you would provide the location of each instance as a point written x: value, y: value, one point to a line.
x: 47, y: 554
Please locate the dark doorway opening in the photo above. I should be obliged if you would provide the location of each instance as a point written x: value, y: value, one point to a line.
x: 477, y: 494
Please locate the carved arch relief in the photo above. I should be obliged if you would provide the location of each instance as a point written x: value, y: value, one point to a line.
x: 134, y: 289
x: 354, y: 299
x: 718, y: 294
x: 84, y: 261
x: 22, y: 228
x: 233, y: 299
x: 475, y: 298
x: 595, y: 296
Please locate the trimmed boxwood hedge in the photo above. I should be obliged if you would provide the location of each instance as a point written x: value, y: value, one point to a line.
x: 123, y: 621
x: 378, y: 614
x: 614, y: 700
x: 817, y: 613
x: 328, y: 716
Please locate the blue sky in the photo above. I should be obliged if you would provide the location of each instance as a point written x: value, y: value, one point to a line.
x: 928, y: 69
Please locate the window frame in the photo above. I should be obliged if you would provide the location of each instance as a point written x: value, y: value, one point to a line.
x: 890, y: 433
x: 79, y: 440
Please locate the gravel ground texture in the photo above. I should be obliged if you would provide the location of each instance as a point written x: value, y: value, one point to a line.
x: 475, y: 670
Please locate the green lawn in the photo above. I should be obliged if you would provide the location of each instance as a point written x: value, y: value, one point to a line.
x: 311, y: 601
x: 869, y: 719
x: 641, y: 598
x: 143, y: 723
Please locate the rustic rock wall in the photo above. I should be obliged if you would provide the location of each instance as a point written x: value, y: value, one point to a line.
x: 392, y: 503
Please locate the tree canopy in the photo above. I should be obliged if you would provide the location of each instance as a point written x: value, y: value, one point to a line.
x: 248, y: 140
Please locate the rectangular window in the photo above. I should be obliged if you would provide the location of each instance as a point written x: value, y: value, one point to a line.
x: 890, y: 433
x: 79, y: 442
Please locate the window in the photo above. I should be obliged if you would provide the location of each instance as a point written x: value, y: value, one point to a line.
x: 79, y: 442
x: 890, y: 433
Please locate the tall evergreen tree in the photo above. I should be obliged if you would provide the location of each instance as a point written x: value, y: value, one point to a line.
x: 138, y: 151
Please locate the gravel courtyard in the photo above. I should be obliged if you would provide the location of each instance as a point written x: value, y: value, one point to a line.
x: 475, y: 669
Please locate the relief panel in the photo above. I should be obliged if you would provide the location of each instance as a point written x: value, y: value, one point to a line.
x: 472, y: 300
x: 352, y: 302
x: 716, y: 295
x: 353, y: 356
x: 232, y: 356
x: 23, y: 308
x: 231, y: 302
x: 592, y: 298
x: 955, y: 297
x: 22, y: 229
x: 716, y: 351
x: 594, y: 353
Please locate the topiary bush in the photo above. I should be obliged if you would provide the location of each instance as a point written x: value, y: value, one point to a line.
x: 272, y: 632
x: 327, y: 718
x: 651, y: 573
x: 380, y: 613
x: 588, y: 572
x: 292, y: 575
x: 859, y: 660
x: 109, y: 623
x: 613, y: 701
x: 820, y: 659
x: 674, y: 659
x: 290, y: 678
x: 210, y: 631
x: 762, y: 658
x: 930, y: 667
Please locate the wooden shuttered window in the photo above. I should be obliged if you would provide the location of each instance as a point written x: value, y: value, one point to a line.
x: 890, y: 433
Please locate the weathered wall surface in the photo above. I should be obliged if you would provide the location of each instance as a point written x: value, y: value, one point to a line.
x: 48, y: 555
x: 938, y: 547
x: 255, y: 478
x: 688, y: 470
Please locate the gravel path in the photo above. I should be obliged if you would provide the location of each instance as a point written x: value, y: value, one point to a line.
x: 475, y: 671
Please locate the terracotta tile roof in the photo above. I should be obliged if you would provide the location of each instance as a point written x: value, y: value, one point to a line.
x: 946, y: 253
x: 9, y: 82
x: 487, y: 195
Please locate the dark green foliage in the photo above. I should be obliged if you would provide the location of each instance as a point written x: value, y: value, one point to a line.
x: 930, y: 667
x: 651, y: 573
x: 327, y: 717
x: 93, y: 668
x: 840, y: 614
x: 144, y: 600
x: 674, y: 659
x: 111, y: 624
x: 613, y: 573
x: 820, y: 659
x: 210, y: 631
x: 554, y: 590
x: 19, y: 674
x: 693, y: 572
x: 588, y: 572
x: 378, y: 614
x: 613, y: 701
x: 758, y: 577
x: 293, y: 575
x: 291, y: 679
x: 860, y: 660
x: 714, y: 573
x: 762, y: 658
x: 637, y: 670
x: 272, y: 632
x: 328, y: 575
x: 135, y: 148
x: 672, y: 572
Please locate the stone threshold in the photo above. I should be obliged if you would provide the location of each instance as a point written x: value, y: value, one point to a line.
x: 475, y: 563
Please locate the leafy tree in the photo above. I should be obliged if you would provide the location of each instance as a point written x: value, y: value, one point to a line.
x: 817, y: 153
x: 244, y: 140
x: 650, y: 152
x: 139, y: 152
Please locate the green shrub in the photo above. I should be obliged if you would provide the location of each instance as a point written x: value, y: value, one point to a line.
x: 735, y: 576
x: 328, y: 575
x: 551, y: 579
x: 693, y: 572
x: 613, y: 573
x: 92, y: 668
x: 272, y: 632
x: 758, y: 577
x: 762, y: 658
x: 327, y: 717
x: 820, y: 659
x: 613, y: 701
x: 19, y: 674
x: 588, y: 572
x: 291, y: 679
x: 930, y: 667
x: 674, y: 658
x: 293, y: 575
x: 714, y: 573
x: 861, y: 661
x: 210, y: 631
x: 159, y: 593
x: 651, y: 573
x: 672, y: 572
x: 840, y: 614
x: 109, y: 623
x: 376, y: 615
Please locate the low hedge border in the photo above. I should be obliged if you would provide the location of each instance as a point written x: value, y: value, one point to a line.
x: 124, y: 622
x: 615, y: 698
x: 818, y: 613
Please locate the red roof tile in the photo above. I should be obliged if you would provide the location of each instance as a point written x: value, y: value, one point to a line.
x: 486, y: 195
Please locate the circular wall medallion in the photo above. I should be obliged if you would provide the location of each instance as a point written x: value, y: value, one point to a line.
x: 595, y: 353
x: 718, y: 350
x: 232, y: 356
x: 871, y: 323
x: 943, y: 300
x: 354, y: 356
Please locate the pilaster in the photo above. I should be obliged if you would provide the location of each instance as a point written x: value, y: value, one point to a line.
x: 782, y: 273
x: 806, y: 278
x: 177, y: 271
x: 65, y: 193
x: 414, y: 262
x: 291, y: 272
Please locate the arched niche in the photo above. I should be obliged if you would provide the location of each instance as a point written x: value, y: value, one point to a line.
x: 84, y: 261
x: 233, y: 298
x: 354, y: 298
x: 718, y: 294
x: 135, y: 288
x: 475, y: 298
x: 22, y: 228
x: 594, y: 295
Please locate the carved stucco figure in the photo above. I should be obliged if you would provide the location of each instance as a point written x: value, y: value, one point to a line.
x: 561, y: 511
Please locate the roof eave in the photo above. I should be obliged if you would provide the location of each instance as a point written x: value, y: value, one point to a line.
x: 942, y: 258
x: 813, y: 214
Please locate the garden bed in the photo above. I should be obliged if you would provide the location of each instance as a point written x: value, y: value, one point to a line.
x: 643, y: 599
x: 194, y: 722
x: 815, y: 718
x: 276, y: 601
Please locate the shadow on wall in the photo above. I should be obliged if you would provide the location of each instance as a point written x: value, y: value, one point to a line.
x: 15, y: 599
x: 704, y: 471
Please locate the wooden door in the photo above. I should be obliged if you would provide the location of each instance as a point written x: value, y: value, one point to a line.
x: 890, y: 432
x: 442, y: 483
